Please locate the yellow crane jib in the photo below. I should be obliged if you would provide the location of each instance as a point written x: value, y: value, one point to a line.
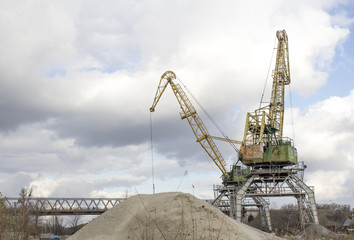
x: 188, y: 112
x: 165, y: 79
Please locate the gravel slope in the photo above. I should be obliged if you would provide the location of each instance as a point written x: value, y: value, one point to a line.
x: 166, y: 216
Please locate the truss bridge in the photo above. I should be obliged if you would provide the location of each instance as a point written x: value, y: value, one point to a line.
x: 62, y: 206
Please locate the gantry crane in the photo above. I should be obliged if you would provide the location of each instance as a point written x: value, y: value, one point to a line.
x: 271, y: 159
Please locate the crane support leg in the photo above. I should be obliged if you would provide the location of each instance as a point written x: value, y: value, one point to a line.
x: 266, y: 224
x: 216, y: 202
x: 240, y: 194
x: 301, y: 207
x: 311, y: 197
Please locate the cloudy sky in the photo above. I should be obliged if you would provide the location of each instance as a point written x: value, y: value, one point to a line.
x: 77, y: 79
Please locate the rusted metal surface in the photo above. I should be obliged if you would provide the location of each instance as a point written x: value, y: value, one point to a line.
x: 252, y: 154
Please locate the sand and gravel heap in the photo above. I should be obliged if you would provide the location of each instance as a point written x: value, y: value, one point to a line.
x: 316, y: 230
x: 166, y: 216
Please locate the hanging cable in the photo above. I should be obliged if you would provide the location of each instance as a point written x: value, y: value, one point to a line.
x: 184, y: 174
x: 291, y: 114
x: 209, y: 116
x: 152, y: 156
x: 270, y: 65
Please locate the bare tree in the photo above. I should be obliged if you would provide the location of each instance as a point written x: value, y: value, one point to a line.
x: 74, y: 222
x: 7, y: 224
x: 20, y: 221
x: 23, y: 217
x: 56, y: 225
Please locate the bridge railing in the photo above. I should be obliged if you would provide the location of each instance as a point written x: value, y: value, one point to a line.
x: 62, y: 206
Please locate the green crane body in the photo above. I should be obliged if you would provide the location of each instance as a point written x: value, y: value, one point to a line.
x: 263, y: 142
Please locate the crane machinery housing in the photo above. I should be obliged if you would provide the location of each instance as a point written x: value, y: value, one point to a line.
x: 270, y: 166
x: 263, y: 141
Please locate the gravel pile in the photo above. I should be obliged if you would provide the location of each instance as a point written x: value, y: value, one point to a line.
x: 316, y: 230
x: 166, y: 216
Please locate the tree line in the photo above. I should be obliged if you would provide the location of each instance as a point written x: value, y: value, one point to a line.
x: 22, y: 222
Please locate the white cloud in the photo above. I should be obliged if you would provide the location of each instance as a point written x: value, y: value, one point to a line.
x: 105, y: 194
x: 92, y: 186
x: 324, y: 140
x: 324, y: 129
x: 329, y: 185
